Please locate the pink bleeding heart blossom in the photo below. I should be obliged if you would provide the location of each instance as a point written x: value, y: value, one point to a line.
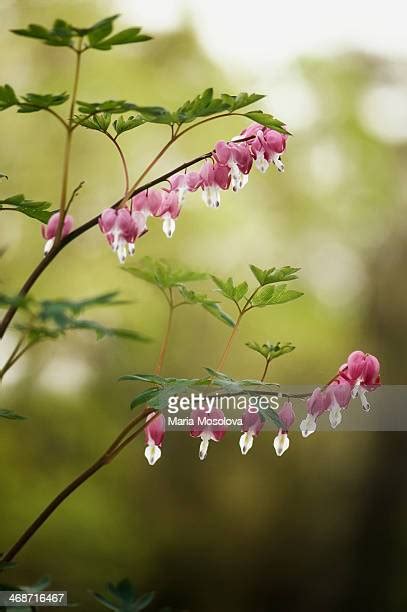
x: 147, y: 202
x: 266, y: 147
x: 340, y: 394
x: 214, y: 177
x: 154, y: 435
x: 362, y: 371
x: 49, y: 231
x: 121, y: 229
x: 252, y: 424
x: 182, y: 183
x: 208, y: 425
x: 317, y: 404
x: 159, y: 203
x: 238, y: 158
x: 169, y: 211
x: 287, y: 417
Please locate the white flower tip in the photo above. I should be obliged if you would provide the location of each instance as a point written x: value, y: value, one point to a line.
x: 335, y: 418
x: 203, y: 449
x: 152, y: 453
x: 308, y: 426
x: 48, y: 246
x: 246, y: 442
x: 281, y: 443
x: 169, y: 227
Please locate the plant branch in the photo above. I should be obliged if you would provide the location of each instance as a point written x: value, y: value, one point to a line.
x: 166, y: 338
x: 229, y: 343
x: 57, y: 116
x: 103, y: 460
x: 45, y: 262
x: 124, y: 164
x: 263, y: 376
x: 68, y: 146
x: 127, y: 435
x: 153, y: 162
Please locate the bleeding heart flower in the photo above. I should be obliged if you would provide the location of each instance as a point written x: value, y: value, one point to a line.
x: 252, y: 423
x: 340, y: 394
x: 49, y: 231
x: 121, y: 230
x: 208, y: 426
x: 362, y: 371
x: 214, y: 177
x: 287, y: 418
x: 154, y: 435
x: 316, y: 404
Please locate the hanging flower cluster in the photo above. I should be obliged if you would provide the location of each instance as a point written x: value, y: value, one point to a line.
x: 356, y: 377
x: 229, y: 166
x: 360, y: 374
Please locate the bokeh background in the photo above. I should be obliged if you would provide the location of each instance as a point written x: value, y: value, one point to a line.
x: 324, y: 527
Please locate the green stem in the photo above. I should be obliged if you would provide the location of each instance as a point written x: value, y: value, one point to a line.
x: 164, y: 345
x: 124, y: 164
x: 265, y: 370
x: 68, y: 145
x: 229, y: 343
x: 153, y: 162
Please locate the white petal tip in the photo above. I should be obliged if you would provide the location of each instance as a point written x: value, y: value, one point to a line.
x: 246, y: 442
x: 281, y: 444
x: 152, y: 453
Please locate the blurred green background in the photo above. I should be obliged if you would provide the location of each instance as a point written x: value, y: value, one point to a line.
x: 324, y: 526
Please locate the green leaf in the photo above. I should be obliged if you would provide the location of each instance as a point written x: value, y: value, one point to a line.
x: 214, y: 309
x: 163, y: 274
x: 273, y: 275
x: 274, y: 294
x: 8, y: 97
x: 241, y: 100
x: 60, y: 35
x: 205, y: 105
x: 100, y: 122
x: 151, y: 378
x: 124, y: 590
x: 191, y: 297
x: 9, y: 414
x: 125, y: 598
x: 267, y: 120
x: 233, y: 385
x: 33, y: 31
x: 229, y: 290
x: 30, y: 208
x: 240, y: 291
x: 144, y: 397
x: 123, y: 125
x: 130, y: 35
x: 287, y: 296
x: 271, y: 351
x: 226, y: 287
x: 100, y: 30
x: 260, y: 274
x: 108, y: 106
x: 156, y: 114
x: 34, y: 103
x: 53, y: 318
